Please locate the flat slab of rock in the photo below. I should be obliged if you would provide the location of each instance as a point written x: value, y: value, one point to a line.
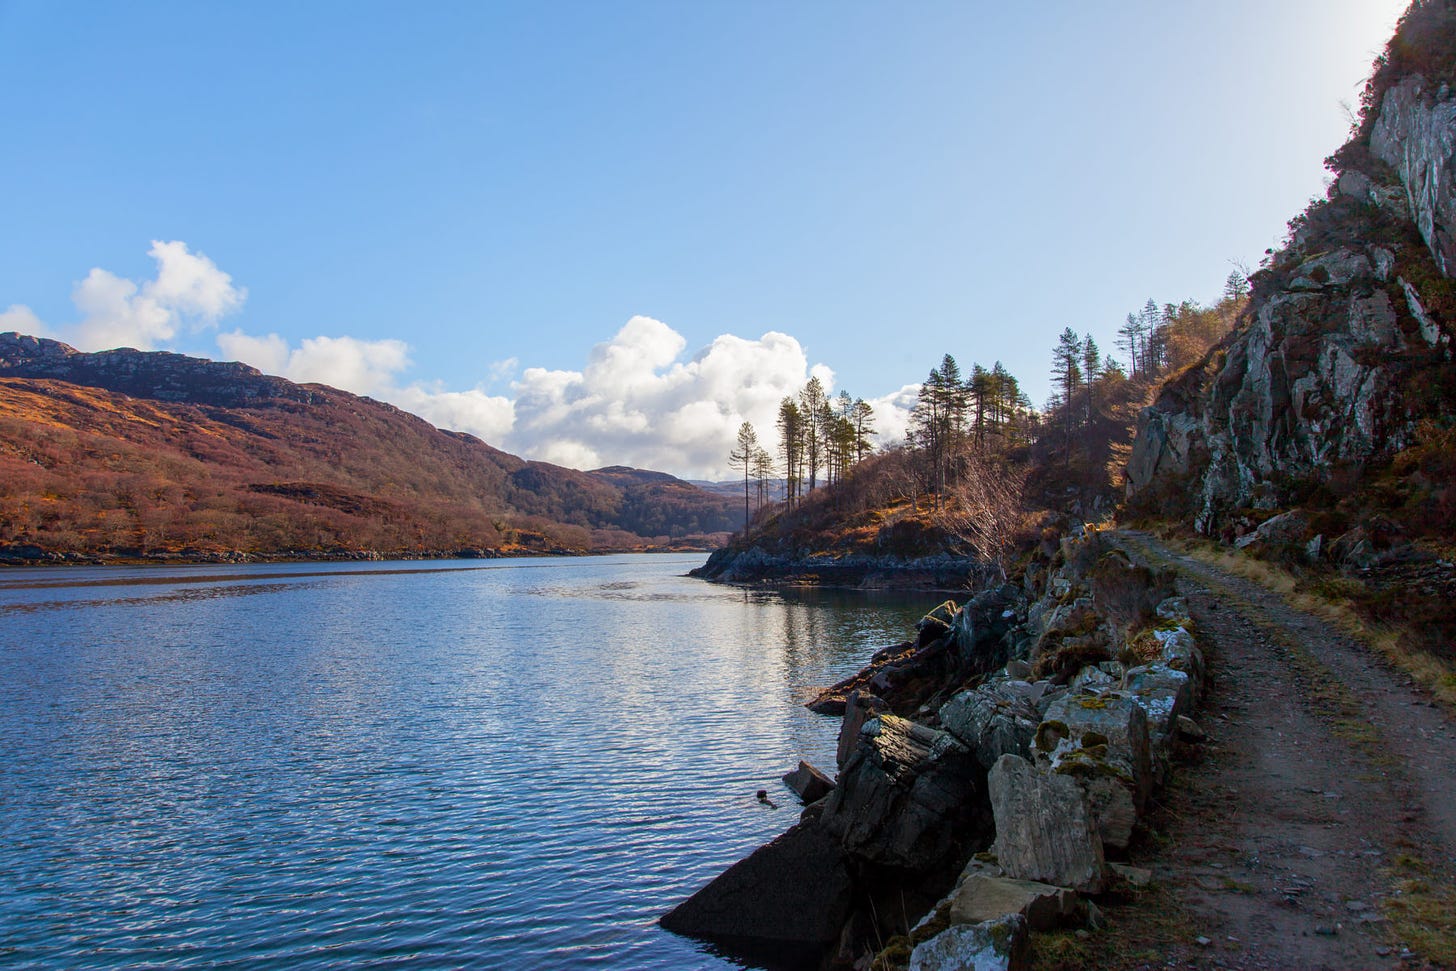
x: 981, y: 898
x: 998, y: 945
x: 1044, y: 828
x: 809, y: 783
x: 794, y: 891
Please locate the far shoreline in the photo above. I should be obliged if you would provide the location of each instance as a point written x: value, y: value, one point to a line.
x: 20, y: 556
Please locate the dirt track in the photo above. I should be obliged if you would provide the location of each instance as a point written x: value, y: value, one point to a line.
x: 1326, y: 784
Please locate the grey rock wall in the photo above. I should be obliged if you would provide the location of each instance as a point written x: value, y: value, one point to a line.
x: 1316, y: 379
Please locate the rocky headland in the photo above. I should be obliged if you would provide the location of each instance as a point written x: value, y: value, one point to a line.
x: 864, y: 571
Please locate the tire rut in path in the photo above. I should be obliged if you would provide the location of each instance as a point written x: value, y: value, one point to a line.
x: 1326, y: 771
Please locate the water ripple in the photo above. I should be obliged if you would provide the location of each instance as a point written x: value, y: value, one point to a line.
x: 509, y: 765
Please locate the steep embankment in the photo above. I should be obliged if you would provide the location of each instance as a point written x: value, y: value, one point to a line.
x: 130, y: 453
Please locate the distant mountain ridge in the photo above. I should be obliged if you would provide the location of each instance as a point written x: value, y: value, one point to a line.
x: 128, y: 452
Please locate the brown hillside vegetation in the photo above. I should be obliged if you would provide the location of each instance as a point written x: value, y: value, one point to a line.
x: 129, y: 453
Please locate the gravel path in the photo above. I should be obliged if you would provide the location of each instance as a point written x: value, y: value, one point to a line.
x: 1328, y: 780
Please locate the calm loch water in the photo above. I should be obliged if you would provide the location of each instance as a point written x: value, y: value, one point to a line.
x: 516, y: 763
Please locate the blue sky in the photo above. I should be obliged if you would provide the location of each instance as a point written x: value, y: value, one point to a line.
x: 607, y: 232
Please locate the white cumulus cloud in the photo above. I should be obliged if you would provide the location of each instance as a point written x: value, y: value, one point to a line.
x: 372, y: 368
x: 639, y: 399
x: 189, y: 291
x: 21, y: 319
x: 360, y: 366
x: 638, y: 403
x: 892, y: 414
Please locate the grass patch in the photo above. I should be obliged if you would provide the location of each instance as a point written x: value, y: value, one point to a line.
x: 1140, y: 927
x: 1422, y: 912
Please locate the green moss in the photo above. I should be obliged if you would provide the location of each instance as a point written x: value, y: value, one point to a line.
x: 1050, y: 732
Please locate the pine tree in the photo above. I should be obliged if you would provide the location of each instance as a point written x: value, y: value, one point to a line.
x: 812, y: 403
x: 763, y: 470
x: 743, y: 454
x: 979, y: 386
x: 791, y: 444
x: 1150, y: 320
x: 1091, y: 368
x: 1067, y: 375
x: 1236, y: 287
x: 863, y: 417
x: 1131, y: 342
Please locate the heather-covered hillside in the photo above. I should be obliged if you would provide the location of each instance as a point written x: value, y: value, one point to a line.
x: 132, y: 453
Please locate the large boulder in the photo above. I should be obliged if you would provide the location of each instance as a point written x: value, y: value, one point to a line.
x: 995, y: 719
x: 978, y: 630
x: 1099, y: 735
x: 1164, y: 693
x: 1044, y: 828
x: 794, y: 892
x: 1282, y: 536
x: 909, y: 797
x: 998, y: 945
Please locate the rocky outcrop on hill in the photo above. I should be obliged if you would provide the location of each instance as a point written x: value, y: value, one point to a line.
x: 155, y: 374
x: 971, y: 790
x: 1346, y: 346
x: 1415, y: 133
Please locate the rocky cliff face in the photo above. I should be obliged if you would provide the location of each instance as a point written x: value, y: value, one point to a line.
x: 157, y: 375
x: 1345, y: 348
x: 1415, y: 133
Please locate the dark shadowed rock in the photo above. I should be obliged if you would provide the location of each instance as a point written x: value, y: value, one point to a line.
x: 936, y: 624
x: 808, y: 783
x: 793, y: 891
x: 908, y: 797
x: 861, y: 707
